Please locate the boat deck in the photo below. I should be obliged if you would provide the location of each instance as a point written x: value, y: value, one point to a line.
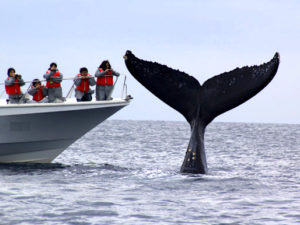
x: 69, y: 101
x: 69, y: 105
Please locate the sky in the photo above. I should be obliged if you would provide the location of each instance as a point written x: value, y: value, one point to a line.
x: 202, y: 38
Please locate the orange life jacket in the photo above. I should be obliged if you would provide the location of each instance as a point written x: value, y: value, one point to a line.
x: 51, y: 84
x: 105, y: 80
x: 84, y: 85
x: 38, y: 96
x: 14, y: 89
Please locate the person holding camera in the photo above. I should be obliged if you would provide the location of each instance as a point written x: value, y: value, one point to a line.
x: 54, y: 79
x: 105, y: 81
x: 38, y: 91
x: 83, y: 81
x: 13, y: 85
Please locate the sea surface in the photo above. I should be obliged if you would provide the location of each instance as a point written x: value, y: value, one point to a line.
x: 127, y: 172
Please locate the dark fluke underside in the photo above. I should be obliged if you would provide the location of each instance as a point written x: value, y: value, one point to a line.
x: 200, y: 104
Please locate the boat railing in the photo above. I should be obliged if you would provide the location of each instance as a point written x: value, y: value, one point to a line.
x: 71, y: 90
x: 124, y: 89
x: 2, y: 92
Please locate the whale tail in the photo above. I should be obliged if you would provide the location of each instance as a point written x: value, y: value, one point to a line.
x: 200, y: 104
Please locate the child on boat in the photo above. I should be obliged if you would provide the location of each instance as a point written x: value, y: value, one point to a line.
x: 54, y: 78
x: 105, y: 81
x: 83, y: 81
x: 38, y: 91
x: 13, y: 85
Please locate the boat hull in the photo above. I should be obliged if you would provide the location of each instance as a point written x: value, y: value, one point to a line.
x: 37, y: 134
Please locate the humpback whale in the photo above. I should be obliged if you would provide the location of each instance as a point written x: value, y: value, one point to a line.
x: 200, y: 104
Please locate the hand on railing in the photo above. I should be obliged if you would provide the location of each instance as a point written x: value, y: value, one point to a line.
x: 123, y: 94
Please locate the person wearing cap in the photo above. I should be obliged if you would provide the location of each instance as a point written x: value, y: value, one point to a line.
x: 83, y: 81
x: 38, y: 91
x: 54, y: 79
x: 105, y: 81
x: 13, y: 85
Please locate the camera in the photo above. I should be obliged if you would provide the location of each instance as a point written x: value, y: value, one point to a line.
x: 18, y: 76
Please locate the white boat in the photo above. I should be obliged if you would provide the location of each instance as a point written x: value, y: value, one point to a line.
x: 39, y: 132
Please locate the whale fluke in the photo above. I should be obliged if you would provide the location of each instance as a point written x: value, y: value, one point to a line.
x: 201, y: 104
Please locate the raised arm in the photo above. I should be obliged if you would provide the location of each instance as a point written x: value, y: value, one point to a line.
x: 10, y: 81
x: 115, y: 73
x: 77, y: 81
x: 21, y: 82
x: 48, y: 75
x: 92, y: 81
x: 32, y: 91
x: 57, y: 79
x: 99, y: 74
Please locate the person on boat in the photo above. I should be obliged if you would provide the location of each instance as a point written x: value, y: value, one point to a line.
x: 83, y: 81
x: 105, y: 81
x: 54, y: 79
x: 13, y: 85
x: 38, y: 91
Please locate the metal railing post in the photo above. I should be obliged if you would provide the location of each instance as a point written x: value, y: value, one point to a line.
x: 124, y: 88
x: 108, y: 97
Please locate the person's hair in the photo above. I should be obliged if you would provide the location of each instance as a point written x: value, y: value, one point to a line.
x: 35, y: 81
x: 53, y: 64
x: 103, y: 65
x: 83, y: 69
x: 9, y: 70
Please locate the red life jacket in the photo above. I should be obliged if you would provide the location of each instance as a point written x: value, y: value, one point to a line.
x: 84, y: 85
x: 14, y: 89
x: 51, y: 84
x: 105, y: 80
x: 38, y: 96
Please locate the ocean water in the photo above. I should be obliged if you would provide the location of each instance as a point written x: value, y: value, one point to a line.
x: 127, y: 172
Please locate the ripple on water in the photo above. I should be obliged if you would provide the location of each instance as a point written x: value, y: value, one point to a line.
x: 127, y: 172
